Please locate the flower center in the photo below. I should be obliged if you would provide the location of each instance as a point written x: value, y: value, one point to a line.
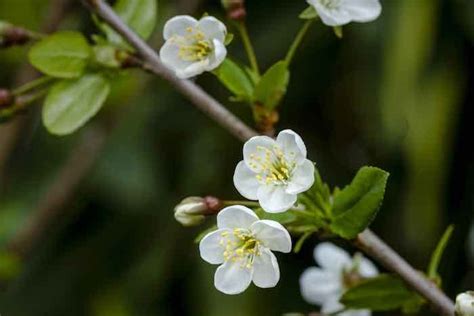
x: 193, y: 46
x: 240, y: 246
x: 272, y: 166
x: 330, y: 4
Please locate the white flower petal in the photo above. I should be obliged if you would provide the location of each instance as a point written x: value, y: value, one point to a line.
x: 169, y: 55
x: 331, y: 17
x: 362, y: 10
x: 232, y: 278
x: 266, y: 272
x: 302, y: 178
x: 178, y: 26
x: 253, y: 150
x: 218, y: 56
x: 272, y: 234
x: 236, y: 216
x: 245, y: 181
x: 332, y: 305
x: 210, y: 248
x: 274, y: 199
x: 331, y: 257
x: 318, y: 286
x: 358, y: 312
x: 367, y: 269
x: 193, y: 69
x: 292, y: 145
x: 213, y: 28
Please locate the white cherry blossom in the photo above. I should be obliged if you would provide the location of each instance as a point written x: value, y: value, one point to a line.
x: 274, y: 172
x: 337, y: 271
x: 193, y: 47
x: 465, y: 304
x: 242, y: 246
x: 341, y: 12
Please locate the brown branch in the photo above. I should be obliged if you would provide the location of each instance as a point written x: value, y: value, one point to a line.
x: 367, y: 241
x: 201, y: 99
x: 79, y: 163
x: 372, y: 245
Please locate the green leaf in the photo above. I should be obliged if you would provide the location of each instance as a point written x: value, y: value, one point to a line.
x: 438, y: 253
x: 229, y: 37
x: 71, y: 103
x: 272, y: 86
x: 236, y: 79
x: 308, y: 13
x: 139, y: 15
x: 356, y: 205
x: 62, y: 55
x: 10, y: 265
x: 338, y: 31
x: 383, y: 293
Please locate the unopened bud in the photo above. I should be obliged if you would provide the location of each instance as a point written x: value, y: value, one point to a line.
x: 235, y: 9
x: 193, y: 210
x: 6, y: 98
x: 11, y: 35
x: 465, y: 304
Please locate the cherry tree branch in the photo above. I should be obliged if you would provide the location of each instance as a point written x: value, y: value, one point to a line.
x: 367, y: 241
x: 201, y: 99
x: 372, y: 245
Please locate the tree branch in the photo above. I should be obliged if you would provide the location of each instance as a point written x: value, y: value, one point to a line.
x: 367, y: 241
x: 372, y: 245
x: 80, y: 161
x: 193, y: 92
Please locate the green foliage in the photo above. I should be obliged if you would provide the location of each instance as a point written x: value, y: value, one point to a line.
x: 236, y: 79
x: 272, y: 86
x: 229, y: 37
x: 62, y: 55
x: 438, y: 253
x: 318, y: 197
x: 106, y: 55
x: 71, y: 103
x: 308, y: 13
x: 357, y: 204
x: 139, y: 15
x: 10, y: 265
x: 338, y: 31
x: 383, y: 293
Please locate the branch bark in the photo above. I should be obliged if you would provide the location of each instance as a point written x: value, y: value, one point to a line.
x: 366, y: 241
x: 372, y: 245
x: 80, y: 161
x: 201, y: 99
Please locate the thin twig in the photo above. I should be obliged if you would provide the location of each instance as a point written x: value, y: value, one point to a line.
x: 366, y: 241
x: 193, y: 92
x: 80, y: 161
x: 372, y: 245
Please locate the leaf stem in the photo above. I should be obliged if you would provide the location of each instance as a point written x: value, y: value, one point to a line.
x: 248, y: 46
x: 32, y: 85
x: 297, y: 41
x: 244, y: 203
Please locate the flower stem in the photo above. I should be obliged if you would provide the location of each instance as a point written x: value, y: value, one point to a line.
x: 244, y: 203
x: 297, y: 41
x: 32, y: 85
x: 248, y: 47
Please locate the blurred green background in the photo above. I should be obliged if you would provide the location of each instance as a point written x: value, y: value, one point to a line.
x: 396, y: 93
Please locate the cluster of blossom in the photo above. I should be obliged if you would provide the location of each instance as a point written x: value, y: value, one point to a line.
x: 193, y: 47
x: 272, y: 172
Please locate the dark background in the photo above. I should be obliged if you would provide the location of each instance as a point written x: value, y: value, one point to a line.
x: 396, y: 93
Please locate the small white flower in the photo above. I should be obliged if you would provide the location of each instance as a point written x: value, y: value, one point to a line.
x: 243, y: 245
x: 465, y: 304
x: 274, y: 172
x: 192, y: 46
x: 340, y: 12
x: 338, y: 272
